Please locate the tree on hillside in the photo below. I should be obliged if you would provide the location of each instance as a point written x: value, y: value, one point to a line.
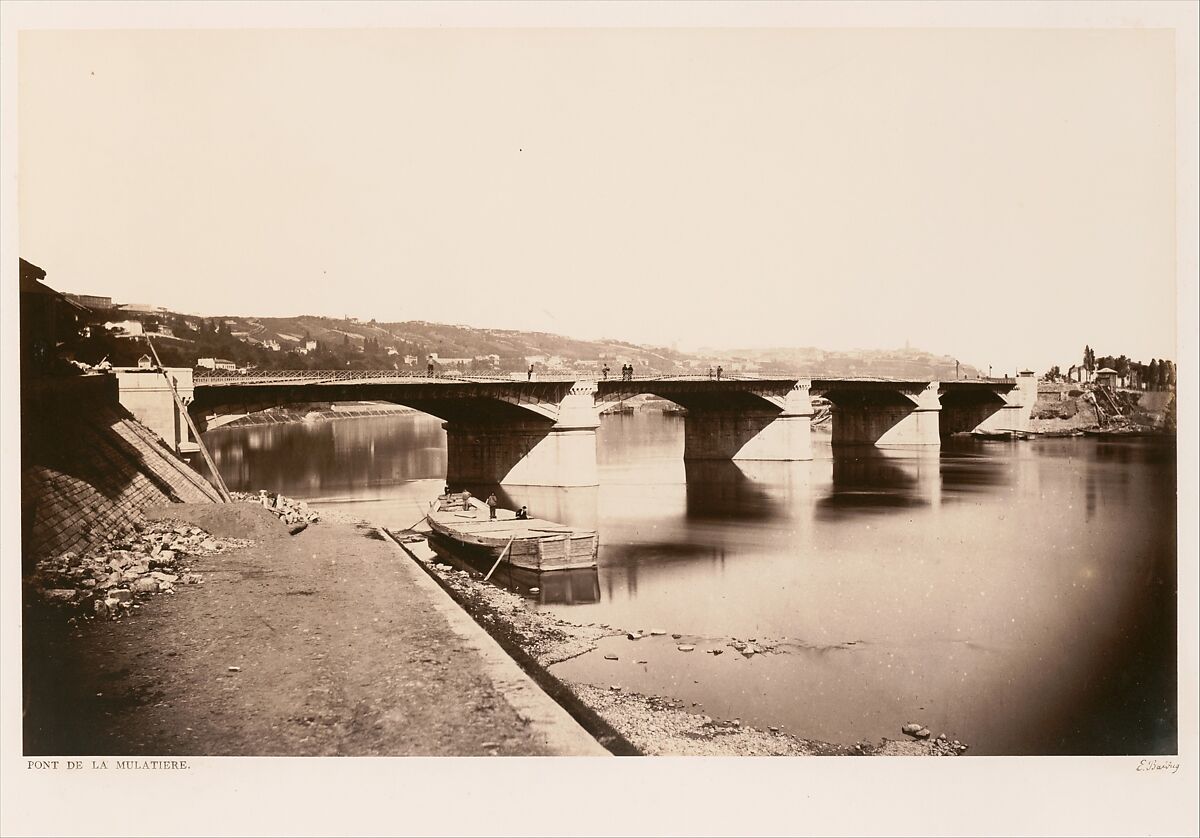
x: 1122, y: 368
x: 1152, y: 378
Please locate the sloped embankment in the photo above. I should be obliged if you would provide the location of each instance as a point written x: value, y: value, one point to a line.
x: 1064, y: 407
x: 89, y: 468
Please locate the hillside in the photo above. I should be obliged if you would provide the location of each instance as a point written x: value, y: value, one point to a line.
x: 314, y: 342
x: 885, y: 363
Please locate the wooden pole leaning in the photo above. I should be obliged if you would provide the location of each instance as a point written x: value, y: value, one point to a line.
x: 500, y: 558
x: 218, y: 481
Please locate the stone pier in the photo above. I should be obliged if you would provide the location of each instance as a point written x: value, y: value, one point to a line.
x: 777, y: 429
x: 1015, y: 412
x: 528, y: 451
x: 885, y: 413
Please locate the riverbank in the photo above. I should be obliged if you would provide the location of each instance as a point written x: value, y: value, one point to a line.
x: 316, y: 412
x: 327, y: 642
x: 332, y: 641
x: 654, y: 724
x: 1065, y: 408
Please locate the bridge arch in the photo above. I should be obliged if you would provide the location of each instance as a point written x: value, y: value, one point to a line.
x: 519, y: 432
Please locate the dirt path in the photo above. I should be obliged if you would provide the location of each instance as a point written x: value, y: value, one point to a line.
x: 323, y: 643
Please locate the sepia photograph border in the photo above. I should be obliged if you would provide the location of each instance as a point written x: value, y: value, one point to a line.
x: 582, y: 796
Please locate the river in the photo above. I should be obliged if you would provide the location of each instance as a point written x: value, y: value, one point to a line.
x: 1018, y: 596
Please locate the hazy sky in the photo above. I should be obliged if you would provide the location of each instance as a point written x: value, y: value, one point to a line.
x: 1000, y: 195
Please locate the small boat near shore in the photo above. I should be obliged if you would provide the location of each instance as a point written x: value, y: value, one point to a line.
x: 1001, y: 435
x: 530, y: 543
x: 1123, y: 433
x: 619, y: 409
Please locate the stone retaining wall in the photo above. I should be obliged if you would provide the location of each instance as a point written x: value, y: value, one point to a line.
x: 89, y: 468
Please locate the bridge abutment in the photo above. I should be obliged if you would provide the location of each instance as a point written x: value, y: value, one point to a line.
x: 1017, y: 410
x: 145, y: 393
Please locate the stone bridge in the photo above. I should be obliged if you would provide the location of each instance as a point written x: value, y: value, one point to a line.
x: 543, y: 432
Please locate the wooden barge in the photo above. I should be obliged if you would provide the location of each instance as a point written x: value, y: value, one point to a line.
x: 530, y: 543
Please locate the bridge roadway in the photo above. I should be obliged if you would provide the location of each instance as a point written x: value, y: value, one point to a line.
x: 542, y: 432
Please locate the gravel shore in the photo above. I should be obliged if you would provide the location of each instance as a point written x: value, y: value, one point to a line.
x: 654, y: 725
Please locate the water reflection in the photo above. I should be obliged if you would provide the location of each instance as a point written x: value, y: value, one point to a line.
x: 1018, y: 596
x: 875, y: 480
x: 577, y: 586
x: 720, y: 489
x: 330, y: 457
x: 970, y: 467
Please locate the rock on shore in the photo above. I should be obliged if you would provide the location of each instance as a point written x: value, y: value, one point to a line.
x: 105, y: 582
x: 286, y: 509
x: 653, y: 724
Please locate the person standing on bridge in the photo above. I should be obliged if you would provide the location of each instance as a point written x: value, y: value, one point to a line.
x: 492, y: 504
x: 529, y: 373
x: 604, y: 372
x: 710, y: 373
x: 719, y: 371
x: 429, y: 367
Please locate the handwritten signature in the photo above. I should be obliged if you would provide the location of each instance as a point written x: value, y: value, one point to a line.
x: 1158, y: 765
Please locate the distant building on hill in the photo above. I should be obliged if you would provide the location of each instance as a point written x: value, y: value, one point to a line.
x: 140, y: 308
x: 215, y: 364
x: 92, y: 301
x: 125, y: 327
x: 1107, y: 377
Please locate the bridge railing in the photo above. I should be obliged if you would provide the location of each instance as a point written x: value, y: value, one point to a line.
x: 229, y: 377
x: 289, y: 376
x: 226, y: 377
